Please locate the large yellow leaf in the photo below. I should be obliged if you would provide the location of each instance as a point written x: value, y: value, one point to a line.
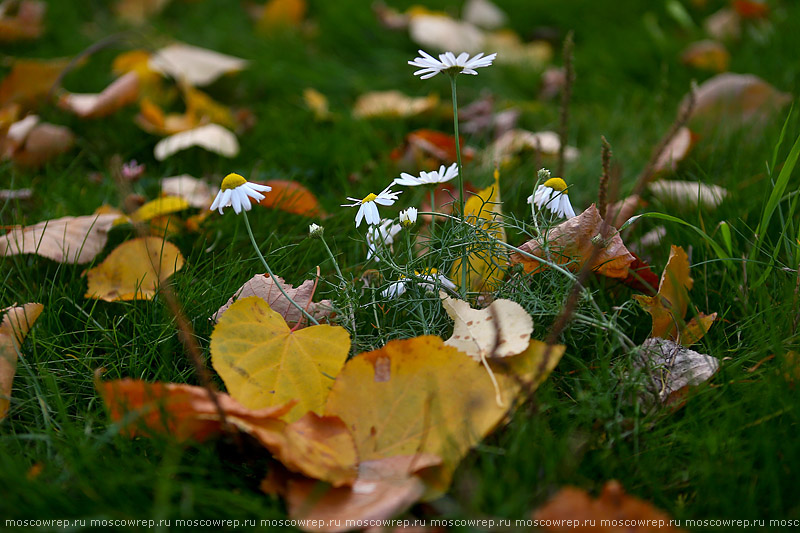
x: 134, y: 269
x: 486, y: 259
x: 264, y: 363
x: 159, y: 207
x: 15, y: 326
x: 421, y: 396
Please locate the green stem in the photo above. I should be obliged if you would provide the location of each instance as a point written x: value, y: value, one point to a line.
x: 271, y: 275
x: 465, y: 256
x: 433, y: 207
x: 333, y: 259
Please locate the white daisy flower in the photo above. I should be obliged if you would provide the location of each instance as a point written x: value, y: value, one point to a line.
x: 428, y: 178
x: 382, y: 234
x: 315, y: 230
x: 552, y: 194
x: 237, y: 191
x: 430, y: 66
x: 431, y: 278
x: 408, y: 217
x: 367, y: 208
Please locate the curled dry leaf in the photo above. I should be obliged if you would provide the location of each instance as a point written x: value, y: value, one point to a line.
x: 25, y: 23
x: 211, y: 137
x: 13, y: 330
x: 66, y: 240
x: 500, y: 330
x: 671, y: 368
x: 573, y: 242
x: 264, y: 363
x: 122, y: 91
x: 30, y: 81
x: 612, y: 507
x: 134, y: 270
x: 676, y: 150
x: 688, y: 194
x: 196, y: 192
x: 194, y: 65
x: 261, y: 285
x: 707, y: 55
x: 384, y: 488
x: 292, y: 197
x: 392, y: 104
x: 485, y: 14
x: 440, y: 32
x: 513, y: 142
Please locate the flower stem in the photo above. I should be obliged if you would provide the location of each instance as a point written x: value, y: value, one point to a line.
x: 271, y: 275
x: 465, y: 256
x: 333, y: 259
x: 433, y: 207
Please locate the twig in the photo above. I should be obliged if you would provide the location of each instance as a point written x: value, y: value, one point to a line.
x: 602, y: 192
x: 566, y: 95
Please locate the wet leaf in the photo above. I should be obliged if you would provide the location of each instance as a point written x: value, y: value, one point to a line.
x: 194, y: 65
x: 134, y: 270
x: 211, y: 137
x: 292, y: 197
x: 13, y: 330
x: 196, y: 192
x: 25, y: 23
x: 392, y: 104
x: 264, y: 363
x: 123, y: 91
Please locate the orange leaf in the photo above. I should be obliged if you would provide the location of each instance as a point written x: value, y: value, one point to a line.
x: 292, y: 197
x: 25, y: 24
x: 15, y: 326
x: 427, y: 149
x: 30, y: 81
x: 277, y: 13
x: 707, y: 55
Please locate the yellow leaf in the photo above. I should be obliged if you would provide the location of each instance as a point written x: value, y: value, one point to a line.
x: 486, y: 259
x: 264, y: 363
x: 419, y: 395
x: 158, y: 207
x: 392, y: 104
x: 282, y: 13
x: 317, y: 103
x: 134, y: 269
x: 15, y: 326
x: 30, y: 81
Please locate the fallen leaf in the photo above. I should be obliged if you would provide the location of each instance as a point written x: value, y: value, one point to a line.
x: 134, y: 270
x: 485, y: 14
x: 572, y: 242
x: 196, y: 192
x: 264, y: 363
x: 276, y: 13
x: 612, y: 508
x: 724, y: 25
x: 428, y: 149
x: 619, y: 212
x: 194, y: 65
x: 393, y: 104
x: 641, y: 277
x: 419, y: 396
x: 211, y: 137
x: 292, y: 197
x: 500, y: 330
x: 122, y: 91
x: 159, y: 207
x: 441, y: 32
x: 200, y: 109
x: 25, y: 24
x: 66, y: 240
x: 30, y: 81
x: 511, y: 50
x: 32, y: 143
x: 486, y: 259
x: 514, y: 142
x: 676, y: 151
x: 751, y: 9
x: 16, y: 194
x: 707, y: 55
x: 138, y: 11
x: 261, y: 285
x: 317, y: 103
x: 688, y: 194
x: 13, y: 330
x: 671, y: 368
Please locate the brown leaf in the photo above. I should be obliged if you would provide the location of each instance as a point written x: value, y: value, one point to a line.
x: 624, y: 209
x: 292, y: 197
x: 688, y: 194
x: 514, y: 142
x: 393, y: 104
x: 676, y: 151
x: 30, y: 81
x: 724, y: 25
x: 706, y: 55
x: 427, y: 149
x: 44, y: 142
x: 25, y: 24
x: 66, y: 240
x: 122, y: 91
x: 605, y: 513
x: 572, y: 242
x: 261, y: 285
x: 13, y: 330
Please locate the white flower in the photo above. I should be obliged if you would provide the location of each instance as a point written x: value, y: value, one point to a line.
x: 381, y: 235
x: 237, y: 191
x: 408, y: 217
x: 315, y: 230
x: 430, y: 66
x: 431, y: 279
x: 427, y: 178
x: 367, y: 208
x: 552, y: 194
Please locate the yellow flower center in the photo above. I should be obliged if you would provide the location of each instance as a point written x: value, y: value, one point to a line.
x: 556, y: 184
x: 369, y: 198
x: 426, y: 272
x: 232, y: 181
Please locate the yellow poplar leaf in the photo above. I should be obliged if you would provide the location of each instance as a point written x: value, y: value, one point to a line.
x: 15, y: 326
x: 282, y: 13
x: 421, y: 396
x: 159, y: 207
x: 134, y: 269
x: 486, y: 259
x: 264, y: 363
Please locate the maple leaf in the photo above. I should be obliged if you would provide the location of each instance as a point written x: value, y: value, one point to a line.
x: 15, y: 326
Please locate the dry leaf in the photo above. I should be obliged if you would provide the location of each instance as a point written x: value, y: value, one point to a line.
x: 624, y: 209
x: 276, y: 13
x: 134, y: 270
x: 751, y: 9
x: 292, y: 197
x: 420, y: 396
x: 605, y: 513
x: 513, y: 142
x: 317, y: 103
x: 724, y: 25
x: 264, y: 363
x: 687, y: 194
x: 41, y: 143
x: 573, y: 242
x: 122, y: 91
x: 13, y: 330
x: 511, y: 50
x: 261, y: 285
x: 428, y: 149
x: 30, y: 81
x: 440, y: 32
x: 138, y: 11
x: 485, y: 14
x: 194, y: 65
x: 671, y: 368
x: 392, y: 104
x: 384, y: 488
x: 159, y: 207
x: 211, y: 137
x: 675, y: 151
x: 200, y: 109
x: 66, y: 240
x: 196, y: 192
x: 707, y: 55
x: 25, y: 24
x: 500, y: 330
x: 16, y: 194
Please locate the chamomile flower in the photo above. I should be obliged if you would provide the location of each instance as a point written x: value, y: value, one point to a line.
x: 431, y: 278
x: 236, y: 191
x: 382, y: 234
x: 428, y: 178
x: 408, y: 217
x: 367, y: 208
x: 448, y: 62
x: 315, y: 230
x: 552, y: 194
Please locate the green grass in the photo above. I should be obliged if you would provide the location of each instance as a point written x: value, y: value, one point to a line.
x: 731, y: 452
